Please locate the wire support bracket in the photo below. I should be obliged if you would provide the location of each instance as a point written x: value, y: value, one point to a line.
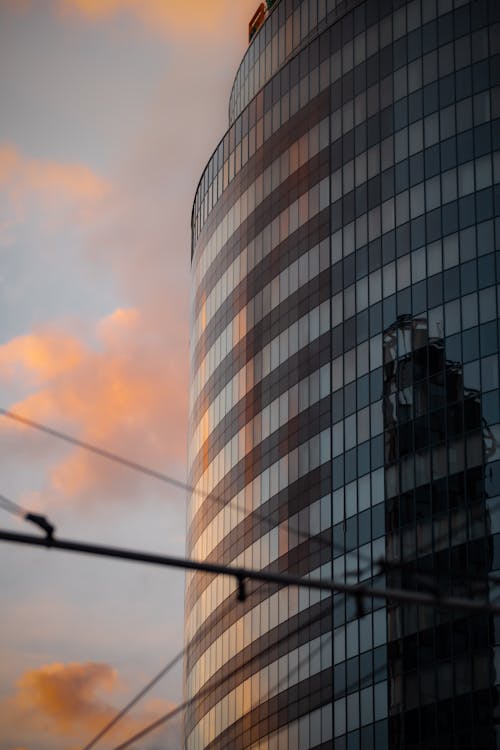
x: 264, y: 576
x: 242, y: 592
x: 43, y: 523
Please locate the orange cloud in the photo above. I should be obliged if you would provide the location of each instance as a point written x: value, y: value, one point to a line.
x: 125, y: 394
x: 53, y: 188
x: 167, y: 16
x: 68, y: 694
x: 42, y: 355
x: 77, y: 179
x: 72, y: 701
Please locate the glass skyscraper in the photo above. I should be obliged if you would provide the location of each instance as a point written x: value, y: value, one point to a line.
x: 345, y: 404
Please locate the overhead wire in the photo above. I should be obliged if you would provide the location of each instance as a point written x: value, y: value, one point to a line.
x: 98, y: 451
x: 359, y: 591
x: 138, y: 696
x: 39, y: 520
x: 110, y: 724
x: 15, y: 509
x: 382, y: 668
x: 213, y: 686
x: 11, y: 507
x: 155, y: 474
x: 151, y: 727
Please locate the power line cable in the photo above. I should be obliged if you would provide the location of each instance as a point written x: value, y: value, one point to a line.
x: 241, y: 574
x: 41, y: 521
x: 148, y: 471
x: 12, y: 507
x: 17, y: 510
x: 158, y: 723
x: 161, y: 476
x: 211, y: 687
x: 358, y: 591
x: 310, y: 621
x: 337, y: 602
x: 135, y: 465
x: 171, y: 664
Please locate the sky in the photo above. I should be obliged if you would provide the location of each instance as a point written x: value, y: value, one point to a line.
x: 109, y: 111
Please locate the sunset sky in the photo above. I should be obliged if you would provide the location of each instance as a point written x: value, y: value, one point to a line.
x: 109, y: 111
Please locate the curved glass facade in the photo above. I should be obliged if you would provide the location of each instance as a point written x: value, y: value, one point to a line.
x: 345, y: 402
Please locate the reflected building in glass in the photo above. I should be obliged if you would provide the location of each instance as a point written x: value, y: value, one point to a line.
x: 345, y: 381
x: 438, y: 538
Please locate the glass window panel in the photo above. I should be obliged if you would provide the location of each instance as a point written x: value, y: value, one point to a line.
x: 434, y: 258
x: 464, y: 115
x: 417, y: 206
x: 400, y: 83
x: 337, y: 373
x: 483, y: 172
x: 489, y: 373
x: 431, y: 130
x: 403, y: 272
x: 352, y: 711
x: 481, y: 108
x: 447, y: 122
x: 466, y: 178
x: 379, y: 628
x: 432, y: 193
x: 401, y: 145
x: 375, y: 282
x: 416, y: 137
x: 389, y: 272
x: 339, y: 645
x: 418, y: 265
x: 350, y: 432
x: 347, y: 116
x: 450, y: 251
x: 380, y: 700
x: 469, y: 310
x: 338, y: 506
x: 366, y: 706
x: 339, y: 723
x: 449, y: 185
x: 415, y: 75
x: 487, y: 304
x: 376, y: 420
x: 452, y: 317
x: 352, y: 639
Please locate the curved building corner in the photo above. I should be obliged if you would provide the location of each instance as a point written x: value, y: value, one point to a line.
x: 345, y: 402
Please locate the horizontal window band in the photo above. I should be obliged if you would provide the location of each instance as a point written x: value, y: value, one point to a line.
x: 292, y: 308
x: 297, y: 126
x: 274, y: 644
x: 298, y: 495
x: 237, y: 357
x: 250, y: 284
x: 302, y: 180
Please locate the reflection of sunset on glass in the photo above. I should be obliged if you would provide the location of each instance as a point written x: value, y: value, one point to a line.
x: 100, y: 152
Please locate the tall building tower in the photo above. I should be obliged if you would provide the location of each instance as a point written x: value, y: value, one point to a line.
x: 345, y: 403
